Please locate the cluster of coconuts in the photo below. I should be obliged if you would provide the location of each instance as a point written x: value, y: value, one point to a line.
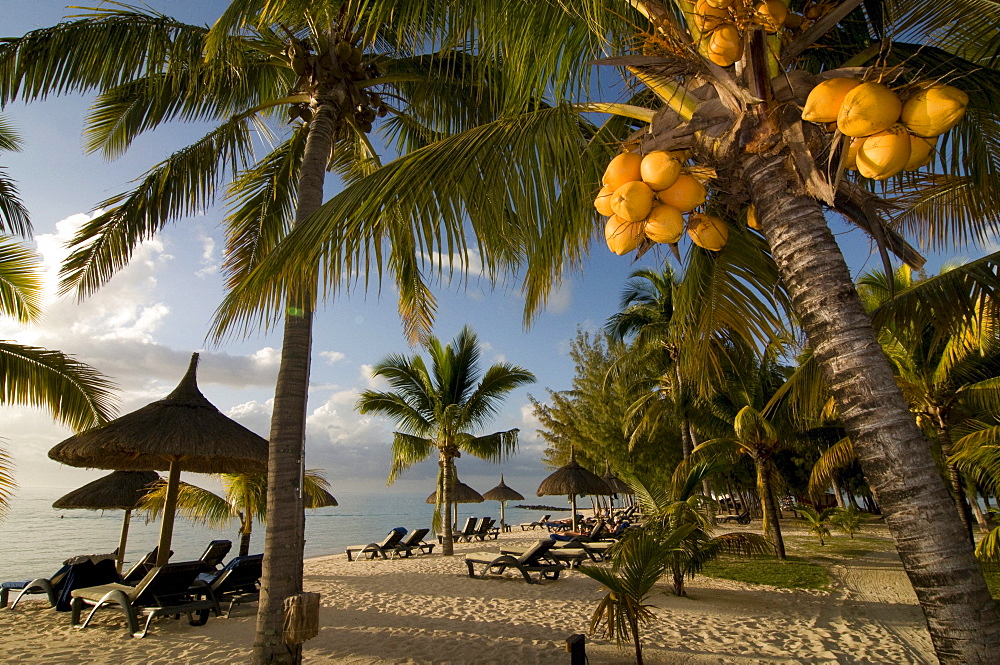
x: 889, y: 135
x: 646, y: 196
x: 723, y: 23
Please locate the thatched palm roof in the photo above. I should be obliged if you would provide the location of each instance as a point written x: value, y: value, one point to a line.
x: 617, y: 485
x: 573, y: 479
x: 119, y: 490
x: 460, y: 493
x: 502, y: 493
x: 183, y: 427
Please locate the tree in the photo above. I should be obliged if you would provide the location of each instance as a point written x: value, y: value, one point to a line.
x: 245, y: 500
x: 818, y: 522
x: 76, y: 394
x: 596, y: 416
x: 440, y: 407
x: 745, y: 123
x: 337, y: 68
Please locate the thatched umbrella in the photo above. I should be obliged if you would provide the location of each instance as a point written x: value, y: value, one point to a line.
x: 460, y: 493
x: 119, y: 490
x: 571, y: 480
x: 181, y: 431
x: 503, y: 494
x: 617, y: 486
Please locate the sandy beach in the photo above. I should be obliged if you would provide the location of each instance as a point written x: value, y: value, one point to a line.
x: 426, y: 610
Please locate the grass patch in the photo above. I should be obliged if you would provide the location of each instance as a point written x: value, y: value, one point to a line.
x: 793, y: 573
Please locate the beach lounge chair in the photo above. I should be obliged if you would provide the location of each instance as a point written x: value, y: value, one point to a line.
x: 215, y: 553
x: 142, y: 567
x: 534, y: 525
x: 742, y: 518
x: 486, y: 530
x: 596, y: 532
x: 414, y: 542
x: 237, y: 583
x: 375, y: 550
x: 163, y: 591
x: 568, y: 555
x: 76, y: 572
x: 465, y: 534
x: 534, y: 560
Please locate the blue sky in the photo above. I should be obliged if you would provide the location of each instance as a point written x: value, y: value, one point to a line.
x: 143, y: 326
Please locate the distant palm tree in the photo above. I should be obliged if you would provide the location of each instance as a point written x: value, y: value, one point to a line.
x: 439, y: 408
x: 817, y: 522
x: 245, y: 499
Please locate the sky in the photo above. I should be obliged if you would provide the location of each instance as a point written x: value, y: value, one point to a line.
x: 142, y: 327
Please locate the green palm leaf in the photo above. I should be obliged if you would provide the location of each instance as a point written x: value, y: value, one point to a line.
x: 21, y: 289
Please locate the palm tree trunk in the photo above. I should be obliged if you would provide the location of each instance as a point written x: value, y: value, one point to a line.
x: 838, y: 493
x: 954, y: 477
x: 984, y: 525
x: 284, y: 539
x: 772, y: 528
x: 963, y: 621
x: 448, y: 484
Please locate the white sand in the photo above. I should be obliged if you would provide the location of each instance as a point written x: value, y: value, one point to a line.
x: 426, y: 610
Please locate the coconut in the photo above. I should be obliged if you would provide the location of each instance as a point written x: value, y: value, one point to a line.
x: 707, y: 17
x: 851, y: 159
x: 771, y: 14
x: 622, y: 235
x: 934, y: 110
x: 867, y: 109
x: 752, y: 220
x: 633, y: 201
x: 660, y: 169
x: 664, y: 224
x: 921, y: 152
x: 603, y: 201
x: 623, y: 168
x: 725, y: 45
x: 824, y: 101
x: 686, y: 194
x: 719, y: 4
x: 707, y: 231
x: 885, y: 154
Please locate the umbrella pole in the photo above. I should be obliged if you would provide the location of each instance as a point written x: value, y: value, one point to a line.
x: 123, y: 540
x: 572, y: 501
x: 503, y: 523
x: 169, y: 506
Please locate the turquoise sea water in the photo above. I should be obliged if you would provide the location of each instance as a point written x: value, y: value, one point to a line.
x: 35, y: 538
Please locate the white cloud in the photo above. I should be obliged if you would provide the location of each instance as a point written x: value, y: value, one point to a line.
x: 332, y: 356
x: 560, y: 299
x: 209, y: 264
x: 371, y: 382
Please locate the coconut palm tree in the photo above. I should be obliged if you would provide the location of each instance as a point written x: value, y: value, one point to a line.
x: 743, y: 124
x: 438, y: 408
x: 817, y: 522
x: 335, y: 69
x: 77, y: 395
x: 245, y: 499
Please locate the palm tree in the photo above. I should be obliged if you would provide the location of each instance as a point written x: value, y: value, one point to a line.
x: 337, y: 69
x: 818, y: 522
x: 543, y: 168
x: 849, y: 520
x: 439, y: 408
x: 245, y: 499
x: 77, y: 395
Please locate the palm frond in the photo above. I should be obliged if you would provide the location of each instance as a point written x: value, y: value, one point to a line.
x: 195, y: 503
x: 408, y: 450
x: 495, y: 447
x: 837, y: 457
x: 21, y: 288
x: 7, y: 484
x: 74, y: 393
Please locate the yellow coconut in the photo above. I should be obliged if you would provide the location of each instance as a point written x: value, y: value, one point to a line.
x: 825, y: 99
x: 633, y: 201
x: 921, y: 152
x: 934, y: 110
x: 664, y: 224
x: 719, y: 4
x: 603, y: 201
x: 623, y: 168
x: 884, y: 154
x: 752, y: 220
x: 771, y: 14
x: 686, y: 194
x: 708, y: 231
x: 794, y: 21
x: 869, y: 108
x: 660, y: 169
x: 851, y: 160
x: 725, y: 45
x: 707, y: 17
x: 622, y: 235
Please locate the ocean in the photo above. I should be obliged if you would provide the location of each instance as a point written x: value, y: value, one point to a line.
x: 35, y: 538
